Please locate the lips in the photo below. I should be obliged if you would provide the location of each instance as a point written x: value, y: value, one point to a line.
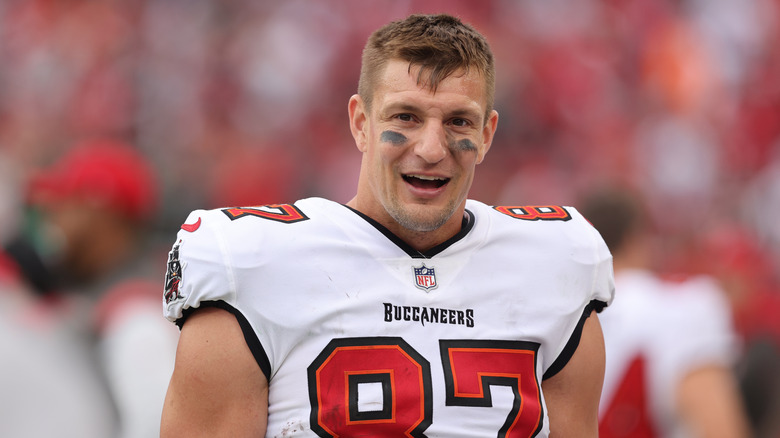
x: 426, y: 182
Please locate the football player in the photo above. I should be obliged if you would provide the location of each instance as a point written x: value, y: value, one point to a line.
x: 408, y: 311
x: 670, y: 345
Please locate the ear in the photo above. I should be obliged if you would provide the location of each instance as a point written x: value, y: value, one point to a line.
x: 488, y: 131
x: 358, y: 123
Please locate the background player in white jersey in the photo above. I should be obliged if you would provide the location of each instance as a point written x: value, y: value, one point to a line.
x: 670, y: 345
x: 409, y: 311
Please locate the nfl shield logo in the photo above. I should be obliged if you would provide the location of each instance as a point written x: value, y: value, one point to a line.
x: 424, y: 278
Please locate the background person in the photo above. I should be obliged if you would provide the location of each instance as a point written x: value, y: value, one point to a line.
x: 671, y: 349
x: 84, y: 341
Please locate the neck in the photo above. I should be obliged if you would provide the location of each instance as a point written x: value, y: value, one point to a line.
x: 623, y: 260
x: 420, y: 241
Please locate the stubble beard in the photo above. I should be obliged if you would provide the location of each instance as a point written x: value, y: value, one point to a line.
x: 411, y: 218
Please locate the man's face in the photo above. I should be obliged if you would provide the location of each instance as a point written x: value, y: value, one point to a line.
x: 420, y: 148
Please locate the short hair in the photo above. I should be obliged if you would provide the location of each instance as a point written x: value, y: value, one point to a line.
x: 616, y: 214
x: 440, y: 44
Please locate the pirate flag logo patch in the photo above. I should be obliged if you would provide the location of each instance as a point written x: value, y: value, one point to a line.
x: 425, y: 278
x: 173, y: 276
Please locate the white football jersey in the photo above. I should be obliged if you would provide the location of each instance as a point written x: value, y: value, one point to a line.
x: 361, y: 335
x: 655, y: 333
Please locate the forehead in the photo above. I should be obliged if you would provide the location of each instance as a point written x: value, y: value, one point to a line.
x: 398, y: 85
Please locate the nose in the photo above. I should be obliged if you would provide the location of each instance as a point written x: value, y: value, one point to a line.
x: 432, y: 144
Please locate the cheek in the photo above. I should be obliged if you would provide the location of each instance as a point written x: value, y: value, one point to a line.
x: 380, y: 162
x: 394, y: 138
x: 388, y: 149
x: 467, y: 155
x: 464, y: 145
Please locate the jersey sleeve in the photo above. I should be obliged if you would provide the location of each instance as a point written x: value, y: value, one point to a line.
x: 590, y: 253
x: 603, y: 286
x: 198, y: 268
x: 200, y: 274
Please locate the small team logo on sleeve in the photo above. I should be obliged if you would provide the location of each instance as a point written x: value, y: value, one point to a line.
x: 173, y: 276
x: 425, y: 278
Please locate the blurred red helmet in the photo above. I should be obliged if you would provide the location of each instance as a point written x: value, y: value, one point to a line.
x: 106, y: 171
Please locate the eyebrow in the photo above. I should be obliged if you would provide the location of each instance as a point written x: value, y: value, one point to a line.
x: 401, y: 106
x: 408, y: 107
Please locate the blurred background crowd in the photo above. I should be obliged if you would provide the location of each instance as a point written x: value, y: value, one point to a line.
x: 244, y: 102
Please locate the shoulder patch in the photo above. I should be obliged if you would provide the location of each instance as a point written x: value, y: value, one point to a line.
x: 173, y: 275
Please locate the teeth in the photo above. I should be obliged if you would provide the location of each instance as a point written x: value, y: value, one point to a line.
x: 428, y: 178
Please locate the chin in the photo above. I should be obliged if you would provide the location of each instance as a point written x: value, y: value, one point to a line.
x: 421, y: 218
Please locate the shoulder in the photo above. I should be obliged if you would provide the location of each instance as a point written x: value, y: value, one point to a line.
x: 686, y: 297
x: 231, y: 225
x: 694, y: 306
x: 237, y: 218
x: 532, y: 217
x: 557, y: 239
x: 698, y: 299
x: 549, y: 226
x: 528, y: 213
x: 215, y: 248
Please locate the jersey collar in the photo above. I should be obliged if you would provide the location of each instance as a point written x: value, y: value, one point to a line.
x: 466, y: 226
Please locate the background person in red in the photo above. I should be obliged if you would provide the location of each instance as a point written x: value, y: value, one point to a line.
x: 80, y: 325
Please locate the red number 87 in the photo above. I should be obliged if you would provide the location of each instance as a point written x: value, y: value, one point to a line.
x: 404, y: 379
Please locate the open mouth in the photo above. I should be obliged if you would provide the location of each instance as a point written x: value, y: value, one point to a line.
x: 425, y: 182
